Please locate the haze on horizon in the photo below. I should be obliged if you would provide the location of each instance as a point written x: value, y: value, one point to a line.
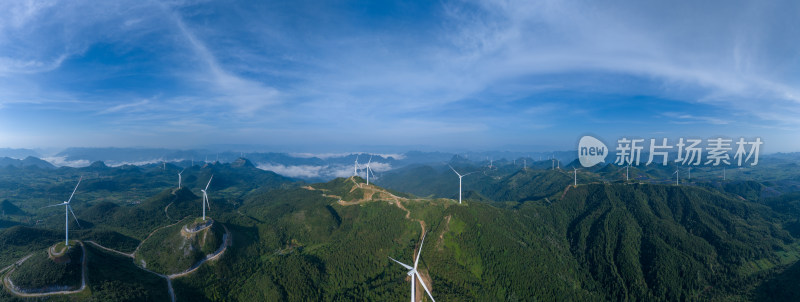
x: 471, y: 75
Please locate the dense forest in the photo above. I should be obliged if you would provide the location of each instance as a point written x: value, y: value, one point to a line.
x: 525, y: 235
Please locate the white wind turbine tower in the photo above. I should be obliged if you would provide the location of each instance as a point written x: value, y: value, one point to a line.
x: 179, y: 178
x: 459, y: 181
x: 677, y: 181
x: 626, y: 171
x: 412, y: 271
x: 205, y: 198
x: 576, y: 176
x: 67, y: 210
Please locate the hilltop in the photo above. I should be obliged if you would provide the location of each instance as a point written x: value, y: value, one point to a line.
x: 177, y: 248
x: 57, y: 269
x: 8, y: 208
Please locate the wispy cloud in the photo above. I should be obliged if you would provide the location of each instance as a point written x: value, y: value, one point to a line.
x: 431, y: 73
x: 683, y: 118
x: 136, y: 106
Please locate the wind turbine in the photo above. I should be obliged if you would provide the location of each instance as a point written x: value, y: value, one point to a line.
x: 412, y: 271
x: 67, y: 210
x: 677, y: 181
x: 355, y: 167
x: 626, y: 171
x: 368, y: 169
x: 690, y: 172
x: 179, y: 178
x: 205, y: 197
x: 459, y: 181
x: 576, y: 176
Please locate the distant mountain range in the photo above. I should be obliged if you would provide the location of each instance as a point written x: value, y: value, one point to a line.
x: 306, y: 166
x: 29, y: 161
x: 321, y: 166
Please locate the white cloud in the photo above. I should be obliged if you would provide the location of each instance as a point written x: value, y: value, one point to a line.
x: 61, y: 161
x: 303, y: 171
x: 326, y: 171
x: 379, y: 166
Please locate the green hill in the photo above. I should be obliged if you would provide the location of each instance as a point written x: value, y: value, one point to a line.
x: 8, y: 208
x: 600, y: 242
x: 138, y: 221
x: 18, y: 241
x: 41, y: 272
x: 177, y: 248
x: 516, y: 185
x: 652, y: 242
x: 113, y: 277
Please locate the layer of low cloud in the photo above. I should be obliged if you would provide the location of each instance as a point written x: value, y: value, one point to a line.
x: 61, y: 161
x: 323, y: 171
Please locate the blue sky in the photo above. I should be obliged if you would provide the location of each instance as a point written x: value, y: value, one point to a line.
x: 450, y: 75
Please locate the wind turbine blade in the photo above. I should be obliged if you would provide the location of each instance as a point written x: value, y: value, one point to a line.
x: 184, y: 169
x: 54, y: 205
x: 73, y: 190
x: 209, y: 182
x: 205, y: 199
x: 403, y: 264
x: 425, y: 287
x: 370, y: 160
x: 469, y: 173
x: 73, y: 216
x: 454, y: 170
x: 419, y: 252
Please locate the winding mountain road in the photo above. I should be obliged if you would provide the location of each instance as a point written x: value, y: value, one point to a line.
x: 13, y: 289
x: 226, y: 242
